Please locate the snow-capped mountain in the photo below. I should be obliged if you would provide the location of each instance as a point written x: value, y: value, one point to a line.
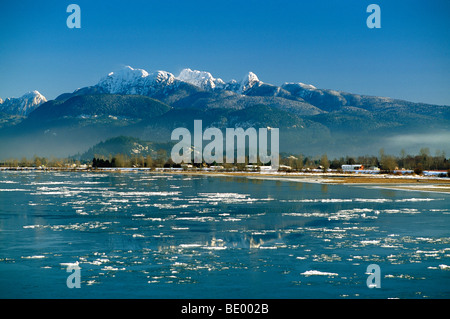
x: 206, y: 81
x: 23, y: 105
x: 135, y: 81
x: 149, y: 105
x: 138, y: 81
x: 248, y: 82
x: 201, y: 79
x: 182, y: 92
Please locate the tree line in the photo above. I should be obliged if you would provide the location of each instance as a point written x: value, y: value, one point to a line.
x: 37, y: 161
x: 388, y: 163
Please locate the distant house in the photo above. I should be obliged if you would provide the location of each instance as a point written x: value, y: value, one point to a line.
x: 358, y: 168
x: 435, y: 173
x: 354, y: 167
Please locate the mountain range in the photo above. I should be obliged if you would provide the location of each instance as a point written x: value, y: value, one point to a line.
x: 23, y: 105
x: 133, y: 102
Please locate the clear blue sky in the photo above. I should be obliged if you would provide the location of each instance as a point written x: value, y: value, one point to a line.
x: 325, y: 43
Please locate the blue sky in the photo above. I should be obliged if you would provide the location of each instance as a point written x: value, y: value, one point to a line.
x: 325, y: 43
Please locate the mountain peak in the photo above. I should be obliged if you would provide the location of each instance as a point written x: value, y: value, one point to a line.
x: 134, y: 81
x: 202, y: 79
x: 34, y: 95
x: 249, y: 81
x: 24, y: 104
x: 250, y: 77
x: 162, y: 77
x: 115, y: 81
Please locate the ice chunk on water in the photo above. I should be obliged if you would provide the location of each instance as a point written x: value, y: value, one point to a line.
x: 318, y: 273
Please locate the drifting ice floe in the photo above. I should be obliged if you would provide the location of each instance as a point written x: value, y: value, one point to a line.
x: 318, y: 273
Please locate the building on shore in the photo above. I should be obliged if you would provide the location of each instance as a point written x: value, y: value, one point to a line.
x: 353, y: 167
x: 359, y: 168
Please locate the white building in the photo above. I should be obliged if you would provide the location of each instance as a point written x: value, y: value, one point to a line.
x: 354, y: 167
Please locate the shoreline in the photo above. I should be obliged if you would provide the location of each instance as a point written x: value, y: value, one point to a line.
x: 385, y: 181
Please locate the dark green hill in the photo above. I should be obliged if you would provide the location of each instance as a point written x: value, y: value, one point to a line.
x: 129, y: 106
x: 126, y: 145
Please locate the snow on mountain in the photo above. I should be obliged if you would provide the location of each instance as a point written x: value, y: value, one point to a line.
x: 201, y: 79
x: 206, y: 81
x: 138, y: 81
x: 301, y: 89
x: 23, y: 105
x: 307, y: 86
x: 249, y: 81
x: 135, y: 81
x: 162, y: 78
x: 124, y: 79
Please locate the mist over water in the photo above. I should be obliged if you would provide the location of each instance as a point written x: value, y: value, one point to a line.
x: 141, y: 235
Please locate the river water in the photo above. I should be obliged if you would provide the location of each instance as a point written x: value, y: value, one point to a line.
x: 144, y: 235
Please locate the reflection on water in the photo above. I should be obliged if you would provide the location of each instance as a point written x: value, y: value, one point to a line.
x: 387, y: 193
x: 141, y: 235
